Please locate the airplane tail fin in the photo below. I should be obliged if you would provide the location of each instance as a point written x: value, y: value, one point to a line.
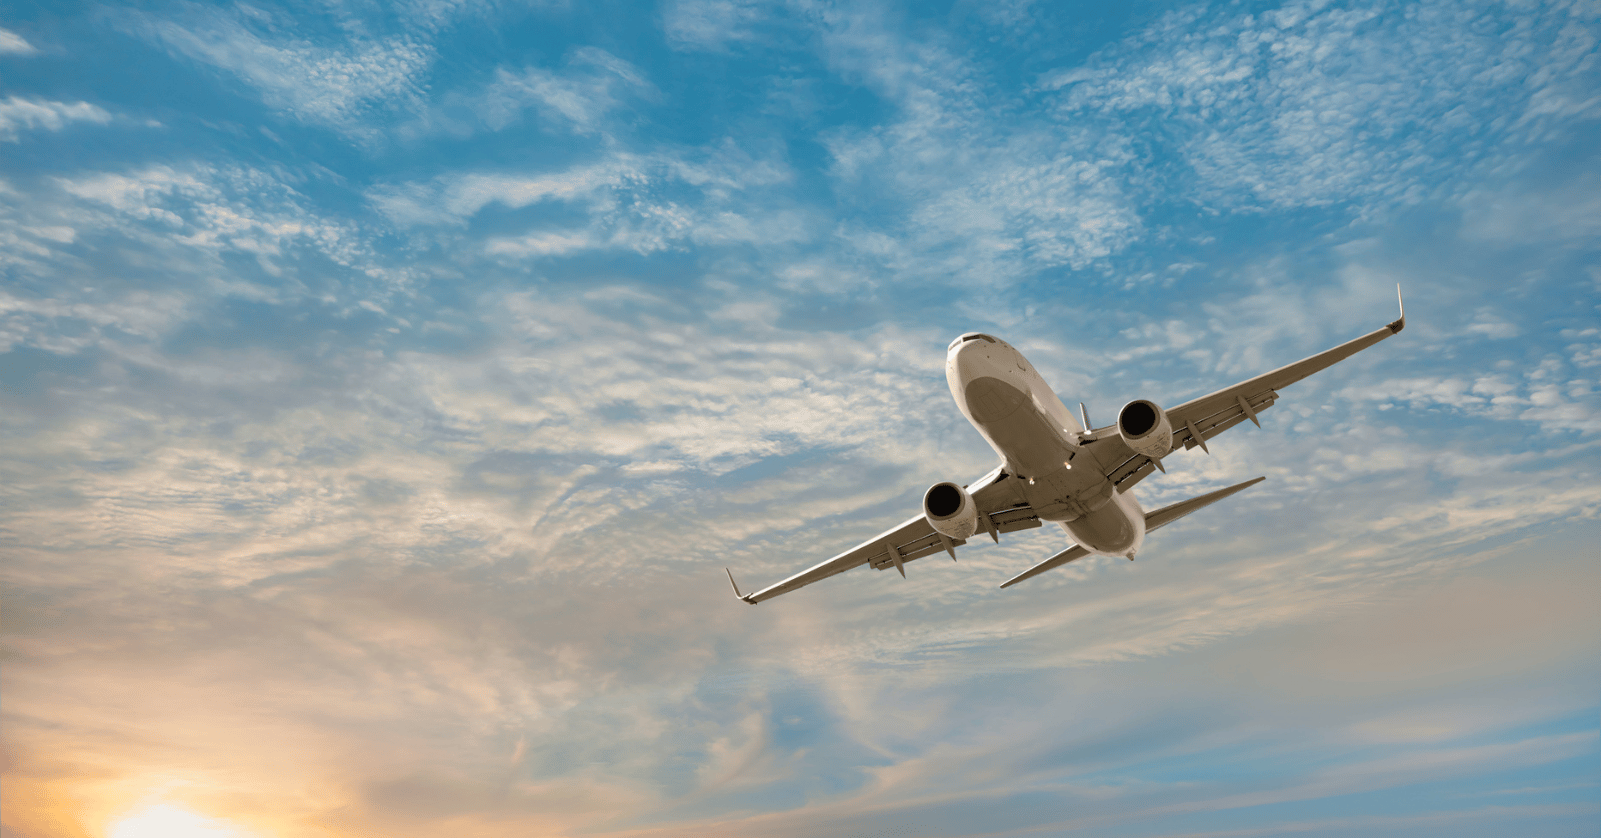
x: 1168, y: 514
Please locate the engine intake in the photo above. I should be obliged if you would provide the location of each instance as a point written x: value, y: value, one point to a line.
x: 1145, y: 428
x: 950, y: 510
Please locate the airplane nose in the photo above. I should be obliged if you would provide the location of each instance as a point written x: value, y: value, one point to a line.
x: 967, y: 359
x: 963, y: 356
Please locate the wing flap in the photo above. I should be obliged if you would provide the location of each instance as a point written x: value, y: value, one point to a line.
x: 1132, y: 471
x: 1230, y: 414
x: 926, y: 545
x: 1005, y: 520
x: 1016, y: 518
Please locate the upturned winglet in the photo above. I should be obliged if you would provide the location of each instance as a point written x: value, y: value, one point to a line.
x: 736, y: 587
x: 1399, y: 324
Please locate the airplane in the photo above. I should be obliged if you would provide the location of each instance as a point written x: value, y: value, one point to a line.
x: 1055, y: 468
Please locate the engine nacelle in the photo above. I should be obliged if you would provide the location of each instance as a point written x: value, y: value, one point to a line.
x: 950, y: 510
x: 1145, y: 428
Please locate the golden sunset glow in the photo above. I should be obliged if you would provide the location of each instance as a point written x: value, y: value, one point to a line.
x: 168, y: 821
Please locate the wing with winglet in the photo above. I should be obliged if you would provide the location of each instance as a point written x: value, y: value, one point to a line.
x: 1198, y: 420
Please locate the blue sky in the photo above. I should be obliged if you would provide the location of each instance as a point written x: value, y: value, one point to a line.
x: 386, y: 387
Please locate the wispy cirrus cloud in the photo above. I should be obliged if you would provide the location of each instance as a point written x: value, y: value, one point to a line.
x: 18, y: 114
x: 183, y: 236
x: 342, y: 83
x: 644, y: 203
x: 1313, y: 104
x: 13, y: 44
x: 596, y: 82
x: 985, y: 199
x: 205, y: 209
x: 712, y: 24
x: 1543, y: 395
x: 584, y: 96
x: 979, y: 195
x: 455, y: 199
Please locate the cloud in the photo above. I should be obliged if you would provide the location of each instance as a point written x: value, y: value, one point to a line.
x: 645, y: 204
x: 356, y: 80
x: 1561, y: 213
x: 163, y: 244
x: 1539, y: 395
x: 984, y: 196
x: 137, y: 194
x: 1363, y: 108
x: 1313, y: 104
x: 1489, y: 323
x: 456, y: 198
x: 203, y: 209
x: 976, y: 192
x: 710, y: 24
x: 17, y: 114
x: 13, y: 44
x: 594, y: 85
x: 340, y: 85
x: 542, y: 244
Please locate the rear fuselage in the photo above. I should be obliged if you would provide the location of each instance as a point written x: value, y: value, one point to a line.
x: 1037, y: 439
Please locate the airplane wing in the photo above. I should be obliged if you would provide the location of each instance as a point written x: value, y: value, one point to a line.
x: 1198, y: 420
x: 1000, y: 509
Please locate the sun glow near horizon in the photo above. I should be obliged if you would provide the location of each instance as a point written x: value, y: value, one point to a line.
x: 168, y: 821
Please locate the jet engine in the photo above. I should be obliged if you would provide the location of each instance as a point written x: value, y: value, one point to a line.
x: 950, y: 510
x: 1145, y: 428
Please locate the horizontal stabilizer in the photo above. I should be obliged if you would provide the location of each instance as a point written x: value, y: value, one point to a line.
x: 1168, y: 514
x: 1062, y: 558
x: 1161, y: 517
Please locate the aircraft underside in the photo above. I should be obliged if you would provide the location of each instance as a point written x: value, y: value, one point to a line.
x: 1064, y: 483
x: 1055, y: 468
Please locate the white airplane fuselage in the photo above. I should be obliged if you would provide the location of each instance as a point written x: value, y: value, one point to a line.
x: 1039, y: 443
